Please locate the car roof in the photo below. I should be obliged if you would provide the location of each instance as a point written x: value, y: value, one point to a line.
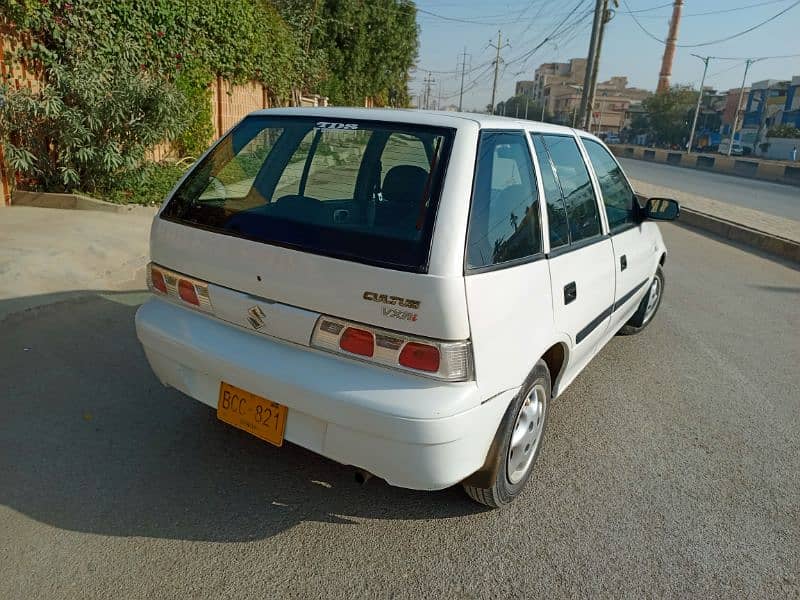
x: 434, y: 118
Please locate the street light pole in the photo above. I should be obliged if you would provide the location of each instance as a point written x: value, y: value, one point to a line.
x: 705, y: 60
x: 747, y: 64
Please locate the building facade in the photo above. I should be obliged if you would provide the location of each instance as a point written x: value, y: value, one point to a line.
x: 764, y: 108
x: 571, y: 72
x: 524, y: 88
x: 791, y: 109
x: 612, y: 103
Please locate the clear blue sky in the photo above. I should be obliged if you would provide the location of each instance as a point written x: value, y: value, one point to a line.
x: 627, y: 50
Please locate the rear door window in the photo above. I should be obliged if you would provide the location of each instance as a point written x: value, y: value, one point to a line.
x: 359, y: 190
x: 556, y: 211
x: 504, y: 217
x: 576, y: 187
x: 618, y: 196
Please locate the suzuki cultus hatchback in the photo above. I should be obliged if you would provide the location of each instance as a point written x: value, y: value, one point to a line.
x: 400, y: 291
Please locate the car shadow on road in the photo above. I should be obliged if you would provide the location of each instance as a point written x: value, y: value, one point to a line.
x: 90, y: 441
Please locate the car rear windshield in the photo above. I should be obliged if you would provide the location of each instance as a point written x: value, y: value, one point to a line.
x: 361, y: 190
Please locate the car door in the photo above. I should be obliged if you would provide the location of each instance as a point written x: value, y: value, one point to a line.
x: 634, y: 249
x: 581, y: 257
x: 506, y: 275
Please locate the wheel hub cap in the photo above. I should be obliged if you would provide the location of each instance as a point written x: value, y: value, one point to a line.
x: 652, y: 299
x: 526, y: 434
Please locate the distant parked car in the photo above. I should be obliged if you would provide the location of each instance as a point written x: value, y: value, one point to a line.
x: 737, y: 150
x: 612, y: 138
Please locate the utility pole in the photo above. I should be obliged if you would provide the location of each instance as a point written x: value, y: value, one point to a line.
x: 463, y: 69
x: 747, y: 64
x: 543, y: 105
x: 597, y: 23
x: 526, y: 107
x: 669, y: 48
x: 498, y: 47
x: 705, y: 60
x: 429, y: 80
x: 595, y: 68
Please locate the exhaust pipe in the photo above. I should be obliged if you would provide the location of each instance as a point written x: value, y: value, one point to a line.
x: 362, y: 476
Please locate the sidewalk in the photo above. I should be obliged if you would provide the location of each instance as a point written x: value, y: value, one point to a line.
x: 46, y: 251
x: 770, y: 233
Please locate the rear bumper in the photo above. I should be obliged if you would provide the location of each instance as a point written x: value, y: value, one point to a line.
x: 411, y: 431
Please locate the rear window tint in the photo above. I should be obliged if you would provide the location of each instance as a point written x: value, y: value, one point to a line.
x: 360, y: 190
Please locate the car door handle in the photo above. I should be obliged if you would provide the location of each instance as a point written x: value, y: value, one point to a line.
x: 623, y: 262
x: 570, y: 292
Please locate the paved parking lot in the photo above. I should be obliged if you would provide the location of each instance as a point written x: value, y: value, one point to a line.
x: 670, y: 468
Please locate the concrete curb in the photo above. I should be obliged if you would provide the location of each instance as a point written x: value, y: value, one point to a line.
x: 766, y: 242
x: 782, y: 172
x: 64, y: 201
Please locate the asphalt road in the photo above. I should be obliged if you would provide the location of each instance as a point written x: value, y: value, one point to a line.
x: 774, y: 198
x: 670, y: 469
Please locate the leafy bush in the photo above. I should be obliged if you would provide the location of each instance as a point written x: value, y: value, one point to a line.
x: 89, y: 121
x: 148, y: 184
x: 784, y: 131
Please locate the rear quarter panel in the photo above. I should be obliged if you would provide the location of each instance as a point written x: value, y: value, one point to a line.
x: 511, y: 316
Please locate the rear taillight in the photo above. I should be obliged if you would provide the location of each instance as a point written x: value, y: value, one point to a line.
x: 187, y: 292
x: 158, y: 283
x: 357, y: 341
x: 422, y: 357
x: 447, y: 361
x: 176, y: 286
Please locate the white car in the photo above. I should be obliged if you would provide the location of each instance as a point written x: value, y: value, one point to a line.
x: 400, y: 291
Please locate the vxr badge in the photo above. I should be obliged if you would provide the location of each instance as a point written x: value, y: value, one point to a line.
x: 256, y: 317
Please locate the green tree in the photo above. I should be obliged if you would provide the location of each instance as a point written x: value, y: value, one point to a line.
x: 669, y: 114
x: 369, y: 47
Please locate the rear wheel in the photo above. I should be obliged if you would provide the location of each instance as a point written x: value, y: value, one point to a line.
x: 648, y: 307
x: 517, y: 443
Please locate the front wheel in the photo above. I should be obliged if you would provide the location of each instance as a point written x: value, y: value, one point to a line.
x: 648, y: 307
x: 517, y: 443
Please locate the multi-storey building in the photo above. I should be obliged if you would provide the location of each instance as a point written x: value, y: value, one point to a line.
x: 764, y: 109
x: 571, y: 72
x: 613, y: 99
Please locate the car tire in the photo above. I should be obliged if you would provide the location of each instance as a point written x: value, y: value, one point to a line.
x: 512, y: 457
x: 646, y: 311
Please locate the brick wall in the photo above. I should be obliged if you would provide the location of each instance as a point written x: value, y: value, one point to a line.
x: 18, y: 76
x: 232, y: 102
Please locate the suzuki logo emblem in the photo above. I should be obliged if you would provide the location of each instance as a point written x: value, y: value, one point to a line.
x: 256, y: 317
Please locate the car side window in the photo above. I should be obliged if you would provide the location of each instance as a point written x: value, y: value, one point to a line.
x: 576, y: 187
x: 504, y: 217
x: 618, y: 196
x: 556, y: 211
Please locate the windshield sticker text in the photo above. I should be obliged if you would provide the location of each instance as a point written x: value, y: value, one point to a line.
x: 342, y: 126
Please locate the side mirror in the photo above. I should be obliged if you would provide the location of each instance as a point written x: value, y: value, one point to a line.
x: 662, y: 209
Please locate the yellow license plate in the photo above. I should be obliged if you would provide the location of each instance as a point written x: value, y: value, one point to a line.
x: 263, y: 418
